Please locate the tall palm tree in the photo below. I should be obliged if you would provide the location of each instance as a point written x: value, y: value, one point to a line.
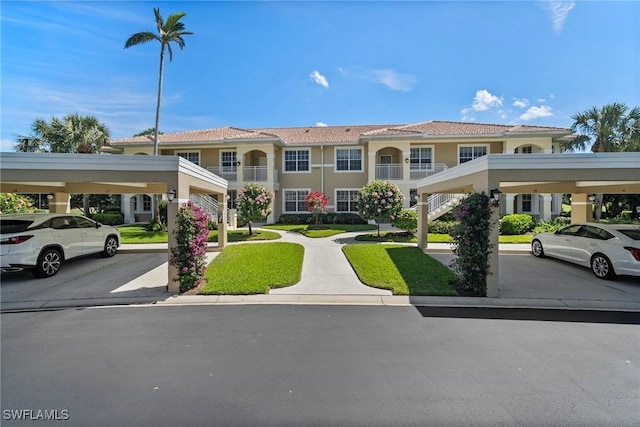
x: 611, y: 128
x: 169, y: 32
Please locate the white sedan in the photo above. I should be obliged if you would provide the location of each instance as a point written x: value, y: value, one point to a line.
x: 608, y: 249
x: 42, y: 242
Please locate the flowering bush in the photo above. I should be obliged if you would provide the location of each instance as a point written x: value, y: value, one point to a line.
x: 471, y: 246
x: 316, y: 203
x: 254, y: 203
x: 191, y: 245
x: 380, y: 201
x: 14, y: 203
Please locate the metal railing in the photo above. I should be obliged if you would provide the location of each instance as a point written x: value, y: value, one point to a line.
x: 396, y: 171
x: 224, y: 172
x: 249, y: 173
x: 206, y: 202
x: 433, y: 169
x: 389, y: 171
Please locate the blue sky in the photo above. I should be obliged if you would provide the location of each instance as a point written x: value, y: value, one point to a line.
x: 278, y: 64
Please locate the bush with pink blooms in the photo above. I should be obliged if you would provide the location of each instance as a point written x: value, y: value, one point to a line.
x: 254, y: 203
x: 380, y: 201
x: 189, y: 254
x: 317, y: 203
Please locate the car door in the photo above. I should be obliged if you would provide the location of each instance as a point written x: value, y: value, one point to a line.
x: 587, y: 243
x: 66, y: 233
x: 559, y: 244
x: 92, y: 236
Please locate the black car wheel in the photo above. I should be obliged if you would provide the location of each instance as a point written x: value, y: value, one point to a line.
x: 536, y: 248
x: 49, y: 263
x: 110, y: 247
x: 601, y: 267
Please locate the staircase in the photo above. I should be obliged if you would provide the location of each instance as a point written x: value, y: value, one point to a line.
x: 440, y: 204
x: 207, y: 203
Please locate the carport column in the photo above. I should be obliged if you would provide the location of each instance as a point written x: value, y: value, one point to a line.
x: 545, y: 214
x: 423, y: 218
x: 508, y: 203
x: 493, y: 278
x: 172, y: 224
x: 222, y: 226
x: 60, y: 203
x: 581, y: 208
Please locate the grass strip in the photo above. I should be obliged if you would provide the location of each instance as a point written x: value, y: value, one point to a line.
x: 405, y: 270
x: 322, y: 230
x: 254, y: 269
x: 136, y: 234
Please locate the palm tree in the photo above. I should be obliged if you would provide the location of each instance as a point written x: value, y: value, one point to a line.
x: 612, y: 128
x: 170, y: 31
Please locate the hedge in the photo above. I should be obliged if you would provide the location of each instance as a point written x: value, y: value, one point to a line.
x: 328, y: 218
x: 516, y: 224
x: 109, y: 218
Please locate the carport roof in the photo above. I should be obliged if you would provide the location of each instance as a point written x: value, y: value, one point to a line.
x: 611, y: 173
x: 93, y: 173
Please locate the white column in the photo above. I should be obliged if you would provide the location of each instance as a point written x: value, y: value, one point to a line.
x: 222, y: 226
x: 372, y: 166
x: 545, y: 213
x: 508, y: 203
x: 126, y: 205
x: 423, y: 218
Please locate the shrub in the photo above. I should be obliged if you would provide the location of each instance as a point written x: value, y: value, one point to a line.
x: 109, y: 218
x: 471, y: 244
x: 316, y: 203
x: 254, y: 203
x: 407, y: 220
x: 442, y: 227
x: 188, y: 256
x: 328, y: 218
x: 380, y: 201
x: 155, y: 225
x: 15, y: 203
x: 515, y: 224
x: 556, y: 224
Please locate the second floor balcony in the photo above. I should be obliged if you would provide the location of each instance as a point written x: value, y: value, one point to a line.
x: 249, y: 173
x: 395, y: 172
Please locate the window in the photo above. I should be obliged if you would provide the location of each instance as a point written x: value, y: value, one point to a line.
x: 232, y: 202
x: 229, y: 161
x: 572, y: 230
x: 528, y: 149
x: 294, y: 200
x: 526, y: 202
x: 421, y: 158
x: 296, y: 160
x: 192, y: 156
x: 469, y: 153
x: 349, y: 159
x: 146, y: 203
x: 346, y: 200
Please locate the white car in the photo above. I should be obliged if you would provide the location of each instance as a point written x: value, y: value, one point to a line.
x: 42, y: 242
x: 608, y: 249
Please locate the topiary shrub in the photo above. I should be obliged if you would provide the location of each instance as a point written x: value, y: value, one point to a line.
x: 380, y: 201
x: 407, y: 220
x: 515, y: 224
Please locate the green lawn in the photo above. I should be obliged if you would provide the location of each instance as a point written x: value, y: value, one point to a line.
x: 137, y: 234
x: 393, y: 237
x: 405, y: 270
x: 323, y: 230
x: 254, y: 269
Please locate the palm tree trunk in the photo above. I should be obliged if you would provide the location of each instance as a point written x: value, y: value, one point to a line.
x: 156, y: 198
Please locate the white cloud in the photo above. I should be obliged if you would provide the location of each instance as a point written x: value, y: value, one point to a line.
x: 319, y: 79
x: 520, y: 103
x: 484, y: 100
x: 552, y: 96
x: 535, y: 112
x: 558, y: 11
x: 393, y: 80
x: 541, y: 100
x: 321, y: 124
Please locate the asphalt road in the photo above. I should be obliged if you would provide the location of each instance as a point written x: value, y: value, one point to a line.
x: 314, y: 365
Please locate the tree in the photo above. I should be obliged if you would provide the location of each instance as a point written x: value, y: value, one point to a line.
x: 171, y: 31
x: 150, y: 132
x: 71, y: 134
x: 254, y: 203
x: 15, y: 203
x: 380, y: 201
x: 611, y: 128
x: 316, y: 203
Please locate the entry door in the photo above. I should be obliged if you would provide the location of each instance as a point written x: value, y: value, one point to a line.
x: 384, y: 168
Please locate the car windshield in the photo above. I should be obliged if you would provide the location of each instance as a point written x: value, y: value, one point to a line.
x: 634, y: 234
x: 14, y: 225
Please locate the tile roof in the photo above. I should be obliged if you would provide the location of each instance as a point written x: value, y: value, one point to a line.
x: 339, y: 134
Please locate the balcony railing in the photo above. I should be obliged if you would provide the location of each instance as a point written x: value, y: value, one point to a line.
x: 249, y: 173
x: 423, y: 173
x: 394, y: 171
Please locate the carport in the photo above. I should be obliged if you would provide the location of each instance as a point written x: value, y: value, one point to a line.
x: 579, y: 174
x: 64, y: 174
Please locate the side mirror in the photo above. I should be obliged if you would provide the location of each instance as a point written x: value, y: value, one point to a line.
x: 98, y: 225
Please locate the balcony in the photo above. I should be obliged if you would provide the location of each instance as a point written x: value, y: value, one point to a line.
x: 395, y: 171
x: 249, y: 173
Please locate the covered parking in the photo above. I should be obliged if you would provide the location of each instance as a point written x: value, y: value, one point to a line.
x: 579, y: 174
x: 64, y: 174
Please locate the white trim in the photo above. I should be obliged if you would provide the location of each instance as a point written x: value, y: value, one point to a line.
x: 335, y: 159
x: 335, y: 198
x: 284, y: 161
x: 433, y: 154
x: 459, y: 146
x: 284, y: 200
x: 220, y: 153
x: 179, y: 152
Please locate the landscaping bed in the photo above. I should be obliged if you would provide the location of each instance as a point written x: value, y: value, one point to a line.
x: 321, y: 230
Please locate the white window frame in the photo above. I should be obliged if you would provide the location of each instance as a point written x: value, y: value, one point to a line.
x: 432, y: 156
x: 284, y: 200
x: 522, y: 201
x: 185, y: 155
x: 529, y: 149
x: 234, y: 165
x: 296, y: 150
x: 335, y: 199
x: 486, y: 146
x: 335, y: 157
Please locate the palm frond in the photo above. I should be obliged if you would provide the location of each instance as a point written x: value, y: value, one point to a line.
x: 140, y: 38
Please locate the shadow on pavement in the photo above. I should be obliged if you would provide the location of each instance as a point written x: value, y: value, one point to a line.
x: 537, y: 314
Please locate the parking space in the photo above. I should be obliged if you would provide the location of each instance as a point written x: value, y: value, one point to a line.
x: 523, y: 276
x: 85, y: 282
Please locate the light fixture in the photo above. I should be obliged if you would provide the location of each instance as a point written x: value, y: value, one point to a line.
x: 50, y: 197
x: 171, y: 194
x: 495, y: 197
x: 237, y: 163
x: 592, y: 198
x: 406, y: 160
